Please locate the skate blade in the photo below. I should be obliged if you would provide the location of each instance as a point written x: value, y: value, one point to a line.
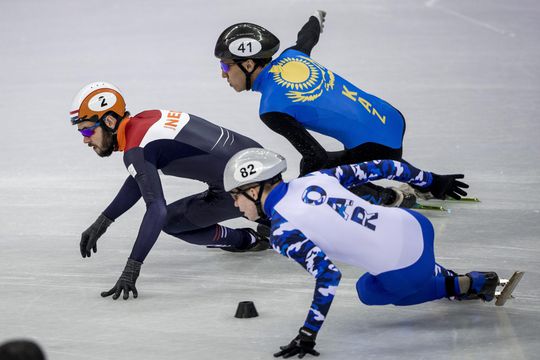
x: 464, y: 199
x: 418, y: 206
x: 508, y: 286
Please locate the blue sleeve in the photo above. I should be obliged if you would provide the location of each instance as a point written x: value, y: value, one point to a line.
x: 357, y: 174
x: 147, y: 178
x: 293, y: 244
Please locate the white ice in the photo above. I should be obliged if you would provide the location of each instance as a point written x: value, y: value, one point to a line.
x: 464, y: 73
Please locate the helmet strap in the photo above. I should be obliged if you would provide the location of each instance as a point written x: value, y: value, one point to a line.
x: 257, y: 202
x: 112, y: 130
x: 247, y: 74
x: 116, y: 125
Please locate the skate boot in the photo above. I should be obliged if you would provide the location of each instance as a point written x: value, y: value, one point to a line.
x: 394, y: 197
x: 483, y: 285
x: 451, y: 278
x: 261, y: 242
x: 408, y: 189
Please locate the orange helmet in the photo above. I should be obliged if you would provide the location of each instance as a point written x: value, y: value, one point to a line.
x: 96, y: 100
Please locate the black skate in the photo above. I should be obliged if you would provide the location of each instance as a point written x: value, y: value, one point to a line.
x: 394, y: 197
x: 261, y: 242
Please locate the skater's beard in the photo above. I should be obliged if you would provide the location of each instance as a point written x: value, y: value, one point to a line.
x: 107, y: 145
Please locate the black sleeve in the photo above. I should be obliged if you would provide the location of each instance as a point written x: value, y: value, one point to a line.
x: 308, y: 36
x: 313, y: 154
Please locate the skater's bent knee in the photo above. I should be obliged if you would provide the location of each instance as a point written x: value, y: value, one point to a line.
x: 370, y: 293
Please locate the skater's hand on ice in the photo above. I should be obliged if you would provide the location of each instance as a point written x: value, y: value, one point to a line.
x: 91, y: 235
x: 126, y: 282
x: 301, y: 345
x: 447, y: 185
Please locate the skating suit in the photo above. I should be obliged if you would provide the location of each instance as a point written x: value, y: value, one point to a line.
x: 181, y: 145
x: 316, y: 220
x: 324, y: 102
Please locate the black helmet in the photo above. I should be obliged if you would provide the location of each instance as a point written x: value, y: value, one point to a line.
x: 246, y: 41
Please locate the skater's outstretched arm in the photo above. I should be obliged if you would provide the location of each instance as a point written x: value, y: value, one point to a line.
x: 147, y: 179
x: 361, y: 173
x: 308, y: 36
x: 128, y: 195
x: 294, y: 244
x: 439, y: 185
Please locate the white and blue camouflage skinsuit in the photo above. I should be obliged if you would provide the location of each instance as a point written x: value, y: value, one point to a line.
x: 316, y: 220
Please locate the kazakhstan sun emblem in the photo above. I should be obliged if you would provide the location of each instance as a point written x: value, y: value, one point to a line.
x: 306, y: 79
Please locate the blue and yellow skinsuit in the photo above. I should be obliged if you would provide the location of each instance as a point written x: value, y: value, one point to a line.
x: 298, y: 94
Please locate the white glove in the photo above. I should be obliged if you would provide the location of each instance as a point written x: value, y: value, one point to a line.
x: 320, y: 15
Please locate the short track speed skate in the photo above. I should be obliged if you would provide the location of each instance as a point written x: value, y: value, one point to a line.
x: 508, y: 287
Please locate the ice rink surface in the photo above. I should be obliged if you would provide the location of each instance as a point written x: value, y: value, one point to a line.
x: 464, y: 73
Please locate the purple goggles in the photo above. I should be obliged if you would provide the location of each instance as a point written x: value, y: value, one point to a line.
x: 225, y: 67
x: 89, y: 131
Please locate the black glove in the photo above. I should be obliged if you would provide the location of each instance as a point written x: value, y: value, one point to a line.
x: 90, y: 236
x: 320, y: 15
x: 126, y: 281
x: 446, y: 185
x: 301, y: 345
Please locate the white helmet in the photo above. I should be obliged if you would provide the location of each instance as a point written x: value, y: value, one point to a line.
x: 96, y: 100
x: 252, y: 166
